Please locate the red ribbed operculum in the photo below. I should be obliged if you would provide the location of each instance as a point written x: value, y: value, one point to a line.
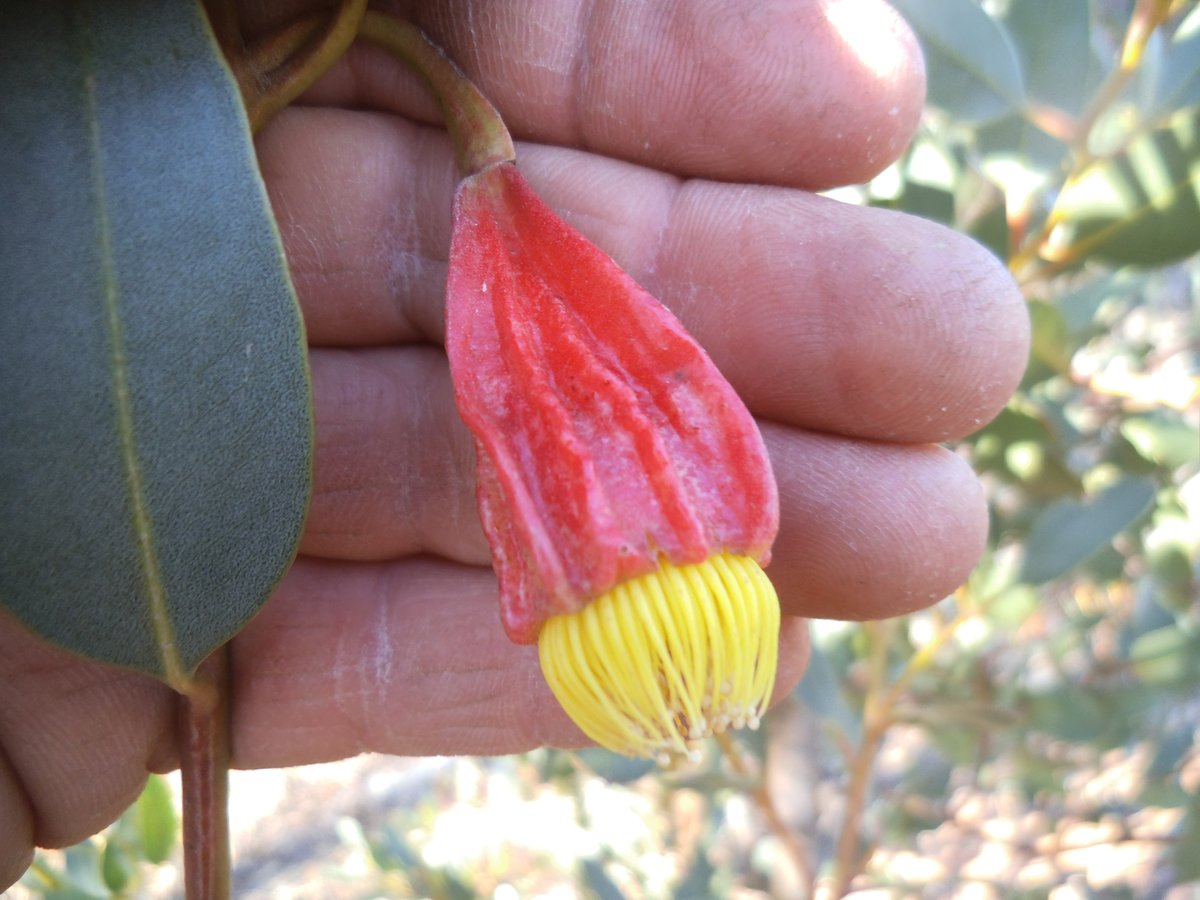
x: 605, y: 436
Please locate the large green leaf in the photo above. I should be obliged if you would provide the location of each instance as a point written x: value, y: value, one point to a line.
x: 1142, y: 206
x: 973, y: 69
x: 156, y: 427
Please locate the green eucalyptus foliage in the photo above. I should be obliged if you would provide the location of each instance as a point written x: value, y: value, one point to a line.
x: 155, y: 426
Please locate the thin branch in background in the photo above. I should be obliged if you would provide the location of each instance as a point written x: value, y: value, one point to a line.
x: 877, y: 717
x: 766, y: 805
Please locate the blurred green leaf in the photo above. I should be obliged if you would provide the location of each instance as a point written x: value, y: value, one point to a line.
x: 1068, y: 532
x: 1167, y: 656
x: 1054, y: 43
x: 156, y: 422
x: 821, y: 691
x: 1186, y: 854
x: 927, y: 178
x: 1050, y: 340
x: 157, y: 825
x: 1168, y: 442
x: 1016, y: 151
x: 1141, y: 207
x: 980, y: 210
x: 84, y: 876
x: 710, y: 782
x: 70, y: 891
x: 613, y: 767
x: 1041, y: 470
x: 1012, y: 607
x: 1050, y: 39
x: 973, y: 70
x: 1082, y: 306
x: 1106, y: 718
x: 1016, y: 423
x: 1173, y: 748
x: 1037, y: 776
x: 697, y: 880
x: 1177, y: 85
x: 116, y: 867
x: 390, y: 850
x: 926, y: 201
x: 597, y: 882
x: 1175, y: 585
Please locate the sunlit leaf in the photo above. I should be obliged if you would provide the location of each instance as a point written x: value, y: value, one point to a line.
x: 1140, y: 207
x: 156, y: 429
x: 1168, y: 442
x: 1013, y: 607
x: 973, y: 69
x: 1068, y: 532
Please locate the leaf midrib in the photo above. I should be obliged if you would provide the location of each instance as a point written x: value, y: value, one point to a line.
x: 164, y: 632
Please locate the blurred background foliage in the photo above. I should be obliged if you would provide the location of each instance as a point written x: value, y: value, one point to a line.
x: 1038, y: 733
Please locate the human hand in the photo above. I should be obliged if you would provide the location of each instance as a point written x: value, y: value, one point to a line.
x: 858, y: 337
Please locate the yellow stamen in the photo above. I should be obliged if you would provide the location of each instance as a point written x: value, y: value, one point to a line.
x: 668, y: 658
